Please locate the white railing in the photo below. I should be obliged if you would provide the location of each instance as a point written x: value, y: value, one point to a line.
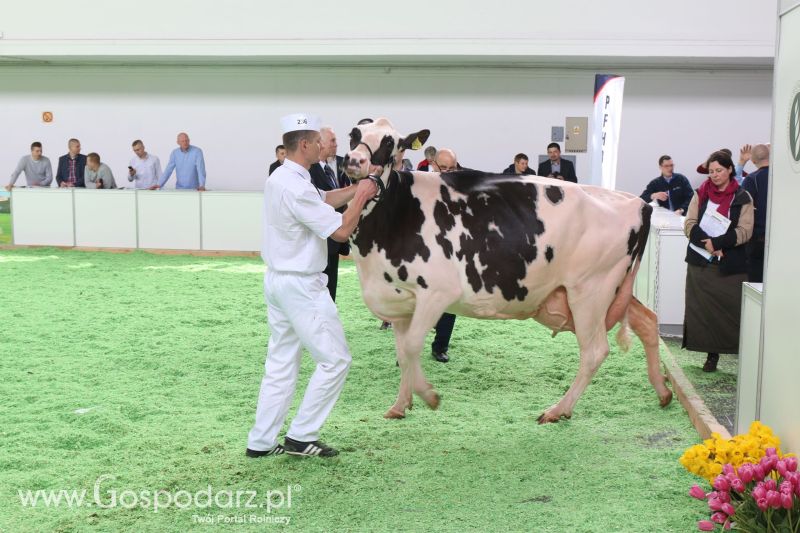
x: 127, y: 218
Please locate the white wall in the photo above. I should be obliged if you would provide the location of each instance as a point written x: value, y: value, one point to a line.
x: 679, y: 28
x: 486, y: 115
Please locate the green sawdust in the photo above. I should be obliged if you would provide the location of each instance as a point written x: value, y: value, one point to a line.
x: 717, y: 389
x: 5, y: 228
x: 163, y: 356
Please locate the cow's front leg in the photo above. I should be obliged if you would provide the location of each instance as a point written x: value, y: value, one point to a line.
x: 409, y: 340
x: 404, y: 399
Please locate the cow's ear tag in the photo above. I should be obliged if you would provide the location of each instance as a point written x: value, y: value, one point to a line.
x: 416, y: 144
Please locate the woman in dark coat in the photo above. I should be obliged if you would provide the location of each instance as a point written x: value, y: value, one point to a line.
x: 715, y: 273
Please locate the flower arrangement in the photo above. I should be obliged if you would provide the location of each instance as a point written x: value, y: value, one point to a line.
x: 759, y: 494
x: 706, y: 460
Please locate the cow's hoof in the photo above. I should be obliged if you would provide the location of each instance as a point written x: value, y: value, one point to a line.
x: 551, y: 418
x: 394, y: 413
x: 432, y: 398
x: 666, y: 399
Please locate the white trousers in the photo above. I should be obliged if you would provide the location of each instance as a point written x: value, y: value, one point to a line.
x: 301, y: 315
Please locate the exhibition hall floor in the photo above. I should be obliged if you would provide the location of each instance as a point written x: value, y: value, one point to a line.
x: 128, y: 374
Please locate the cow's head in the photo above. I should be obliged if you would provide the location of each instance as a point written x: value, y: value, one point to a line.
x: 375, y: 144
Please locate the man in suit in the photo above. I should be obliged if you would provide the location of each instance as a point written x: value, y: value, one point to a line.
x: 555, y: 167
x: 280, y: 155
x: 71, y: 166
x: 328, y: 175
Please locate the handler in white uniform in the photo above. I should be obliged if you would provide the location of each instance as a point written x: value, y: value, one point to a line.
x: 297, y: 220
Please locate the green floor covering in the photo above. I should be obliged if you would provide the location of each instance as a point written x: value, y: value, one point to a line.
x: 147, y: 368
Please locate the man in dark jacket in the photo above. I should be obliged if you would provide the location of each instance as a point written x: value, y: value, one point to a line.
x: 71, y: 166
x: 519, y: 166
x: 555, y: 167
x: 756, y: 184
x: 671, y: 190
x: 280, y: 155
x: 328, y: 175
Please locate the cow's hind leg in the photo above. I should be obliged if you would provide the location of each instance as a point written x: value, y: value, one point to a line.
x: 644, y: 323
x: 588, y: 312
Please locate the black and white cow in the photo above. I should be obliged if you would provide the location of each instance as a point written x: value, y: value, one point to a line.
x: 497, y: 246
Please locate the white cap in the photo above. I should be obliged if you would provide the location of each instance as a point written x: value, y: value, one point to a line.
x: 299, y: 122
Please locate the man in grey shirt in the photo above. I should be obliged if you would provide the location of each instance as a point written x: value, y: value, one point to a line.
x: 37, y: 168
x: 98, y: 173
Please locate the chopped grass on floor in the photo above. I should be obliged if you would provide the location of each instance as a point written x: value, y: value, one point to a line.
x: 146, y: 369
x: 717, y: 389
x: 5, y: 228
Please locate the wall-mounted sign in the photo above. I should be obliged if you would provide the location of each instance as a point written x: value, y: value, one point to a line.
x: 793, y: 133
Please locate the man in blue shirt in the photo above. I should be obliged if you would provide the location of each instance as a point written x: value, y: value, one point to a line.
x: 671, y: 190
x: 756, y: 184
x: 189, y: 166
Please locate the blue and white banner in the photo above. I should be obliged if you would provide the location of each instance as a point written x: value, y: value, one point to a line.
x: 608, y: 90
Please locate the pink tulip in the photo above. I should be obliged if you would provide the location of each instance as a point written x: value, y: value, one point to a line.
x: 724, y: 497
x: 771, y: 484
x: 746, y: 473
x: 780, y: 466
x: 697, y: 492
x: 706, y: 525
x: 762, y: 504
x: 791, y: 463
x: 758, y: 472
x: 722, y: 484
x: 759, y: 492
x: 786, y: 487
x: 786, y: 501
x: 738, y: 485
x: 771, y: 452
x: 774, y: 498
x: 719, y: 518
x: 727, y: 468
x: 714, y: 504
x: 727, y: 525
x: 728, y: 509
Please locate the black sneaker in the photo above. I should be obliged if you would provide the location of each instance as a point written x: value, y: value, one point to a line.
x: 442, y: 357
x: 308, y: 449
x: 277, y: 450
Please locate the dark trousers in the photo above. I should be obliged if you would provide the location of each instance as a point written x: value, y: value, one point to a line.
x: 444, y: 329
x: 332, y: 271
x: 755, y: 260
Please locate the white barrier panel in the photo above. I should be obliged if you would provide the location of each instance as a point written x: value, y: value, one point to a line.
x: 231, y: 220
x: 169, y: 220
x: 43, y: 217
x: 747, y: 384
x: 661, y: 281
x: 105, y: 219
x: 779, y: 393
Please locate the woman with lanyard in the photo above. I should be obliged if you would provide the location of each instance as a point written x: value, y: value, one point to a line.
x: 719, y: 222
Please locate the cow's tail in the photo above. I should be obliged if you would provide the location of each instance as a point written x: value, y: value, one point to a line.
x: 641, y: 238
x: 625, y: 291
x: 624, y: 335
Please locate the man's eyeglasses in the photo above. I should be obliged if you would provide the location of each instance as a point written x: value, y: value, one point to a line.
x: 443, y: 168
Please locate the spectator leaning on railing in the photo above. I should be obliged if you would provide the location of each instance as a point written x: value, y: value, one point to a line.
x: 37, y: 168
